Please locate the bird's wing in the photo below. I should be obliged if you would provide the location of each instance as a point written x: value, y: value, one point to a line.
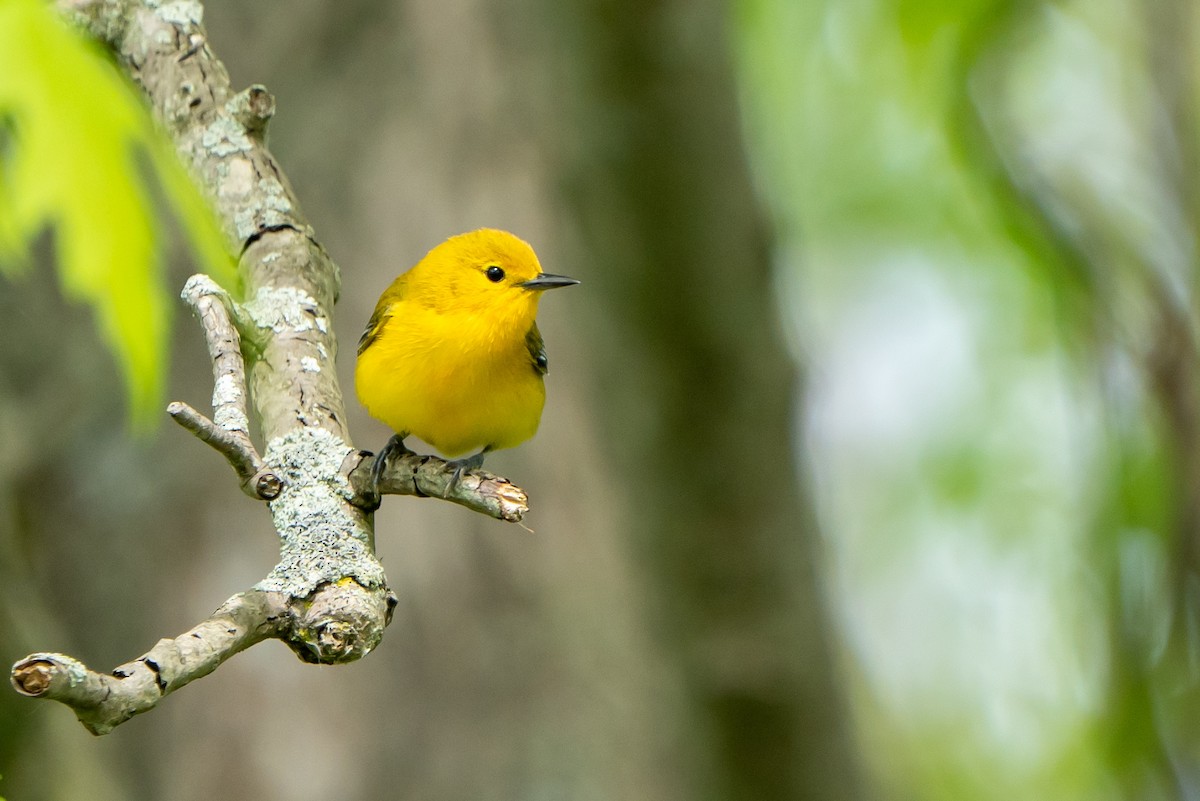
x: 383, y: 310
x: 374, y: 326
x: 537, y: 350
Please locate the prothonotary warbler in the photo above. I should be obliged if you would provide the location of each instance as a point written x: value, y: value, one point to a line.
x: 452, y: 353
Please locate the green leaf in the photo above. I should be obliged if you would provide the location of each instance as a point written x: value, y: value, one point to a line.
x: 77, y: 147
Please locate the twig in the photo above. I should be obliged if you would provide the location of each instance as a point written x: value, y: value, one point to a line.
x: 229, y: 429
x: 429, y: 476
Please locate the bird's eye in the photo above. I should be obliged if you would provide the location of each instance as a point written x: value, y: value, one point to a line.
x: 495, y: 274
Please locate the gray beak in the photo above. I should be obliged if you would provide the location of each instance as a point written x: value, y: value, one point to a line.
x: 547, y: 281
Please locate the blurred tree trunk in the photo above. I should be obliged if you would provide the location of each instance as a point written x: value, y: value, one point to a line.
x: 701, y: 396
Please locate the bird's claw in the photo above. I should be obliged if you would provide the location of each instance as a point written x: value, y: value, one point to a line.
x: 461, y: 466
x: 395, y: 446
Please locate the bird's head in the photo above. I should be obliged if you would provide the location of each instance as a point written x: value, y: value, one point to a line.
x: 485, y: 272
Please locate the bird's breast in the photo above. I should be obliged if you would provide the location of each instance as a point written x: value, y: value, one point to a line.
x: 460, y: 382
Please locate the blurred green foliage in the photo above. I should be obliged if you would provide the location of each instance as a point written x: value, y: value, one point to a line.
x: 988, y: 217
x: 78, y: 154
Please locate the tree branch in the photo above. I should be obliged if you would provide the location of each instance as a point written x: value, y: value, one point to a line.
x: 104, y: 701
x: 328, y: 597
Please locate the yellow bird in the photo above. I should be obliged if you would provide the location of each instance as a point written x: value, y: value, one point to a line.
x: 452, y: 353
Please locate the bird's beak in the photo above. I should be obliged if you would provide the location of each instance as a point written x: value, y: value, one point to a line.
x: 547, y: 281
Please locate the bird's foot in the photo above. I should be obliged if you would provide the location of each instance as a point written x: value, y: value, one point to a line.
x: 461, y: 466
x: 394, y: 447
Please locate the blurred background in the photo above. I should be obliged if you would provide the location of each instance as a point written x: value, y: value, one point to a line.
x: 869, y: 468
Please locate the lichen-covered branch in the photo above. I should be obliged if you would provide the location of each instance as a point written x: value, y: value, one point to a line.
x: 328, y: 597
